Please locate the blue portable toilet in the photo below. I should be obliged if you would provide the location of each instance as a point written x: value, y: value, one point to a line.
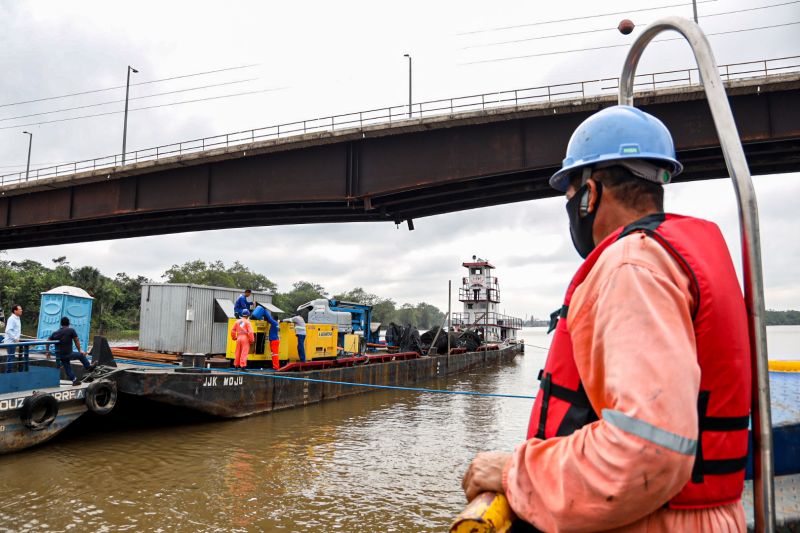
x: 71, y: 302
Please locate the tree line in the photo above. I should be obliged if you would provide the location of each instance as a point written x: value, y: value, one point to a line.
x: 115, y: 309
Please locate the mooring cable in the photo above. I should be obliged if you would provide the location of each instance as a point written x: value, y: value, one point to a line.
x: 331, y: 382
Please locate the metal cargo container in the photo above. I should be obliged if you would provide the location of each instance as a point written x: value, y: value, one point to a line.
x: 181, y: 317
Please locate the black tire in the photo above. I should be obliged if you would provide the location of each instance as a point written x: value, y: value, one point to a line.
x: 101, y: 396
x: 38, y: 411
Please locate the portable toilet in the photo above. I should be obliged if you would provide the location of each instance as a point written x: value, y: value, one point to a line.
x: 71, y: 302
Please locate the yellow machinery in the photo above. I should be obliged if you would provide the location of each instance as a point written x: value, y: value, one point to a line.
x: 259, y: 350
x: 352, y: 343
x: 320, y: 342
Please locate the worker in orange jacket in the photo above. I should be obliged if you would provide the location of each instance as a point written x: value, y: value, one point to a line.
x: 242, y: 333
x: 640, y: 422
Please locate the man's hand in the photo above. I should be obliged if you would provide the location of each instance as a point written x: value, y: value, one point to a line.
x: 485, y: 473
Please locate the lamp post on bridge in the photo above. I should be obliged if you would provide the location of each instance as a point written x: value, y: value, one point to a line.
x: 30, y: 143
x: 125, y: 124
x: 409, y: 83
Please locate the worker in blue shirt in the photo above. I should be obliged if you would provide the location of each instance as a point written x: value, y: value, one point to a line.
x: 261, y: 313
x: 274, y: 340
x: 242, y: 303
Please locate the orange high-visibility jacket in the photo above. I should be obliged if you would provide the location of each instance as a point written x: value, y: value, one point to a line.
x: 643, y: 314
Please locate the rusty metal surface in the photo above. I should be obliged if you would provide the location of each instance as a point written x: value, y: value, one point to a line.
x: 384, y: 173
x: 231, y: 395
x: 15, y: 436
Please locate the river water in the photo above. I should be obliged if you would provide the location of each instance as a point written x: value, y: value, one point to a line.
x: 381, y: 461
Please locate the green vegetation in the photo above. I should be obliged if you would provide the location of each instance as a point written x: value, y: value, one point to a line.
x: 116, y: 300
x: 782, y: 318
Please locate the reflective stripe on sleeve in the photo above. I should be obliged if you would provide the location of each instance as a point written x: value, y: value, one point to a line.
x: 650, y: 433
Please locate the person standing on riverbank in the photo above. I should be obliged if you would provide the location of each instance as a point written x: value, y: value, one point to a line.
x: 640, y: 423
x: 13, y: 332
x: 242, y: 333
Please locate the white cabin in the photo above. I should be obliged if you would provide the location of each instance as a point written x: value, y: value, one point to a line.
x: 480, y: 294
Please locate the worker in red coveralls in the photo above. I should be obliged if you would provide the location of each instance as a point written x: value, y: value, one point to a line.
x: 243, y: 334
x: 640, y: 422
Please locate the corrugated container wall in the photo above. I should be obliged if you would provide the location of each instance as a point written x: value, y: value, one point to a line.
x: 178, y: 317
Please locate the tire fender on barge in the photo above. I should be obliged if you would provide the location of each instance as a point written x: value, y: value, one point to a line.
x: 38, y: 411
x: 101, y: 396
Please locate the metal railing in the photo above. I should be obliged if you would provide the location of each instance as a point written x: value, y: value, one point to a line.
x: 20, y: 360
x: 493, y: 319
x: 389, y: 115
x: 479, y: 295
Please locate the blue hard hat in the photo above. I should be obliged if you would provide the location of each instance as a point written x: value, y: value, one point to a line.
x: 616, y: 133
x: 245, y: 312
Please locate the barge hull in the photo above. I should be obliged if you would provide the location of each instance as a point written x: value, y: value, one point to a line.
x: 15, y: 436
x: 231, y: 395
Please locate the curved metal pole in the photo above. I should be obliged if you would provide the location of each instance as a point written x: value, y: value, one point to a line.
x: 764, y: 483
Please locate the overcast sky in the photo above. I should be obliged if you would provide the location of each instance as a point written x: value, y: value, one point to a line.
x: 321, y: 58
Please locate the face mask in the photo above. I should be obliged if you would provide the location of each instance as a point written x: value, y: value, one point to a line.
x: 580, y: 223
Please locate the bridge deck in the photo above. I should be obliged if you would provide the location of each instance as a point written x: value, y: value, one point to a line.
x: 383, y: 172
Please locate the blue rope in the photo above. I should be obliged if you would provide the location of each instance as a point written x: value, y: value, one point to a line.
x: 312, y: 380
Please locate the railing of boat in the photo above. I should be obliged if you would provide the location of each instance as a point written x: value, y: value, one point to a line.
x: 20, y: 360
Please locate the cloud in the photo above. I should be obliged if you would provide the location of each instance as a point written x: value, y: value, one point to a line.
x: 334, y: 64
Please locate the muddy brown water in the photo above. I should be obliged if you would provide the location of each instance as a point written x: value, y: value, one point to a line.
x: 381, y: 461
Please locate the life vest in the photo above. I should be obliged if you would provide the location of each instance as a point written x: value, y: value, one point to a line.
x: 723, y: 353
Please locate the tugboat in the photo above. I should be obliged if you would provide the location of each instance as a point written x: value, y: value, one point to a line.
x: 480, y: 294
x: 35, y: 405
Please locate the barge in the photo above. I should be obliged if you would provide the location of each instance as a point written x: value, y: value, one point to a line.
x: 230, y: 393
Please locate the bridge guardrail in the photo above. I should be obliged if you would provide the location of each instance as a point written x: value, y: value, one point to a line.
x: 388, y: 115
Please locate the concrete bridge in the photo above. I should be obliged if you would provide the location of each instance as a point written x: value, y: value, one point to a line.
x: 391, y: 171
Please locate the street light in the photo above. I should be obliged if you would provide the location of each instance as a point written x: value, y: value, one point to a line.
x: 409, y: 84
x: 30, y: 143
x: 125, y: 125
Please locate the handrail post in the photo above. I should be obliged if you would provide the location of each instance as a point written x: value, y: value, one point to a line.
x: 763, y: 471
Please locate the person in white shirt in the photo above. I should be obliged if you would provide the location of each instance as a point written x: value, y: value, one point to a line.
x: 12, y: 334
x: 300, y: 331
